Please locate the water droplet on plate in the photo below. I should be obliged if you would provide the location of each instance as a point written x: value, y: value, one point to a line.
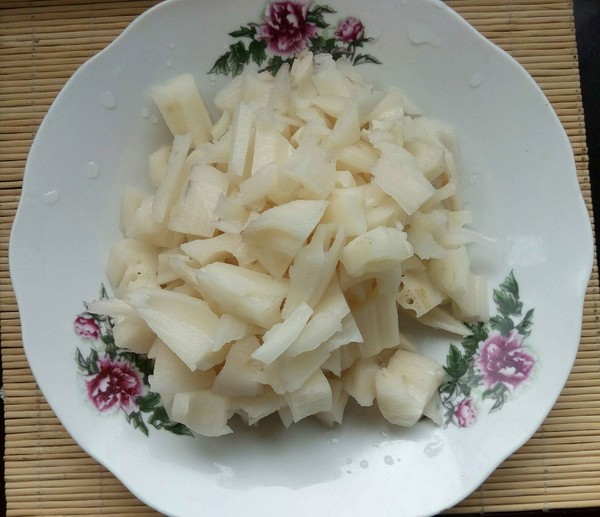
x: 145, y: 112
x: 434, y: 447
x: 476, y: 80
x: 348, y: 461
x: 169, y: 63
x: 92, y: 170
x: 419, y: 35
x: 51, y: 197
x: 154, y: 119
x: 335, y: 440
x: 388, y: 460
x: 172, y: 44
x: 108, y: 100
x: 364, y: 464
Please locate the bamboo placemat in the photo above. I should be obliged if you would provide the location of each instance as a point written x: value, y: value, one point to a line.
x: 42, y: 43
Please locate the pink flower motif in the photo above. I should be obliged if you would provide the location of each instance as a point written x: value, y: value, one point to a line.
x: 465, y: 413
x: 116, y: 386
x: 350, y: 30
x: 503, y: 360
x: 86, y: 327
x: 285, y: 28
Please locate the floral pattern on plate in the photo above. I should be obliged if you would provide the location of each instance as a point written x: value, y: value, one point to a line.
x: 288, y: 27
x: 116, y: 380
x: 494, y: 362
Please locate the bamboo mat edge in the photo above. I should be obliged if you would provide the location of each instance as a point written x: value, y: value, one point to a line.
x: 48, y: 474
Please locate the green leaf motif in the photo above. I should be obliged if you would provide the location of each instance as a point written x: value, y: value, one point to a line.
x: 507, y: 303
x: 320, y: 9
x: 257, y: 51
x: 93, y: 362
x: 498, y: 402
x: 524, y: 327
x: 148, y: 402
x: 502, y: 324
x: 144, y: 364
x: 448, y: 388
x: 359, y: 59
x: 317, y: 19
x: 238, y: 56
x: 221, y: 65
x: 274, y: 64
x: 247, y: 31
x: 456, y: 366
x: 464, y: 388
x: 177, y: 428
x: 468, y: 384
x: 81, y: 361
x: 160, y: 420
x: 137, y: 421
x: 510, y: 285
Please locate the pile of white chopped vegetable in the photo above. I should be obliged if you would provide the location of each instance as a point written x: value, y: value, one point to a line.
x: 266, y: 272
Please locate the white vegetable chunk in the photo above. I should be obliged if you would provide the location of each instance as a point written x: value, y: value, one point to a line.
x: 279, y: 337
x: 377, y: 320
x: 249, y: 296
x: 376, y: 250
x: 132, y: 199
x: 230, y: 329
x: 287, y: 373
x: 339, y: 400
x: 185, y: 324
x: 314, y: 267
x: 359, y: 380
x: 215, y: 249
x: 313, y: 167
x: 398, y: 175
x: 133, y: 334
x: 270, y: 146
x: 174, y: 178
x: 131, y: 264
x: 165, y: 273
x: 405, y: 387
x: 204, y: 412
x: 342, y: 210
x: 440, y: 318
x: 238, y: 376
x: 346, y: 130
x: 157, y: 164
x: 277, y: 234
x: 418, y: 293
x: 334, y: 363
x: 313, y: 397
x: 360, y: 157
x: 171, y: 375
x: 144, y: 228
x: 325, y: 322
x: 266, y: 271
x: 242, y: 140
x: 259, y: 407
x: 348, y: 334
x: 182, y: 108
x: 193, y: 213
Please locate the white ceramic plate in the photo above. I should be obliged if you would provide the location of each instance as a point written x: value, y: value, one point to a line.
x: 519, y: 180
